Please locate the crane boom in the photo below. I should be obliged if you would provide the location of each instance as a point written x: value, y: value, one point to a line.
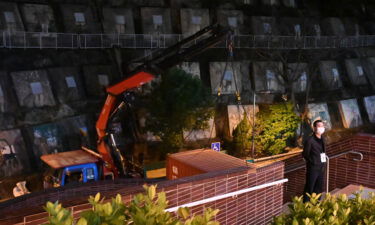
x: 153, y: 65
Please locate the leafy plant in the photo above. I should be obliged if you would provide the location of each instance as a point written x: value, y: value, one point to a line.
x: 242, y: 137
x: 144, y: 209
x: 331, y: 210
x: 276, y: 126
x: 180, y: 102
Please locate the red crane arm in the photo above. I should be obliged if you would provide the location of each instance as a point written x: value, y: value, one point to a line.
x: 136, y: 80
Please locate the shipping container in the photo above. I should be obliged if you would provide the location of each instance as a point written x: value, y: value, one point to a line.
x: 190, y: 163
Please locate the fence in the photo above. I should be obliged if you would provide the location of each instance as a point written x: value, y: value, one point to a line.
x: 42, y: 40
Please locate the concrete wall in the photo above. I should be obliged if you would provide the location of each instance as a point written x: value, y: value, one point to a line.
x: 118, y: 20
x: 353, y: 27
x: 67, y: 84
x: 97, y: 78
x: 319, y: 111
x: 261, y: 25
x: 193, y: 20
x: 75, y: 132
x: 14, y: 153
x: 38, y: 18
x: 291, y: 26
x: 355, y: 71
x: 203, y: 134
x: 10, y: 18
x: 312, y: 27
x: 79, y: 19
x: 233, y: 19
x: 350, y: 115
x: 369, y: 67
x: 298, y: 73
x: 332, y: 27
x: 369, y: 102
x: 33, y: 88
x: 331, y: 75
x: 156, y: 20
x: 266, y: 76
x: 239, y: 72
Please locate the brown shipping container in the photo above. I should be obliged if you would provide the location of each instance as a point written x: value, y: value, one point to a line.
x: 190, y: 163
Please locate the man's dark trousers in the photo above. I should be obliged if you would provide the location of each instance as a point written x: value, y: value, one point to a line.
x: 314, y: 180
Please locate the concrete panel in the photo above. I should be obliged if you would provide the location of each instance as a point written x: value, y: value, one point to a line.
x: 239, y: 72
x: 333, y: 26
x: 233, y: 19
x: 191, y: 68
x: 355, y: 71
x: 319, y: 111
x: 97, y: 78
x: 67, y: 84
x: 208, y: 133
x: 10, y: 18
x: 369, y: 66
x: 236, y: 113
x: 330, y: 75
x: 14, y: 155
x: 193, y: 20
x: 118, y: 20
x: 290, y: 3
x: 38, y: 18
x: 312, y: 27
x: 270, y: 2
x: 45, y: 139
x: 370, y: 27
x: 156, y: 20
x: 261, y: 25
x: 8, y: 101
x: 151, y: 3
x: 75, y: 132
x: 33, y: 88
x: 370, y: 107
x: 291, y: 26
x: 79, y: 19
x: 298, y: 72
x: 352, y: 27
x: 266, y: 76
x: 350, y: 115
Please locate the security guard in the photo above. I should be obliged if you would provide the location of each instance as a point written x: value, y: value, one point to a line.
x: 315, y: 157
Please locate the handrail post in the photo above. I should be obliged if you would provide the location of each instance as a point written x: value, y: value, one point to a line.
x: 327, y: 172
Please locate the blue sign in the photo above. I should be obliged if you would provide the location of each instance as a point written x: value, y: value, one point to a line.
x: 215, y: 146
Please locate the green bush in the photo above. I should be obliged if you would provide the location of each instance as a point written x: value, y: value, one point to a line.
x: 180, y: 102
x: 144, y: 209
x: 242, y: 137
x: 331, y: 210
x: 276, y: 128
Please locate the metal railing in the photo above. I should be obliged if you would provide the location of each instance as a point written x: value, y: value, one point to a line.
x: 27, y: 40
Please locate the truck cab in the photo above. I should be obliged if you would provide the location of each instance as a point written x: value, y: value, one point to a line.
x: 71, y: 167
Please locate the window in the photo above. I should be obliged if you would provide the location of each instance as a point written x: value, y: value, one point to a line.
x: 45, y: 27
x: 317, y: 29
x: 36, y: 88
x: 297, y: 30
x: 303, y: 81
x: 267, y: 29
x: 157, y: 19
x: 196, y: 20
x: 360, y: 71
x: 120, y: 19
x: 80, y: 18
x: 120, y: 23
x: 90, y: 174
x: 227, y: 80
x: 70, y: 82
x: 175, y: 170
x: 232, y: 21
x: 9, y: 17
x: 73, y: 177
x: 270, y: 80
x: 103, y: 79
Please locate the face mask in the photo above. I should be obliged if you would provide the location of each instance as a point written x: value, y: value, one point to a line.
x: 320, y: 130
